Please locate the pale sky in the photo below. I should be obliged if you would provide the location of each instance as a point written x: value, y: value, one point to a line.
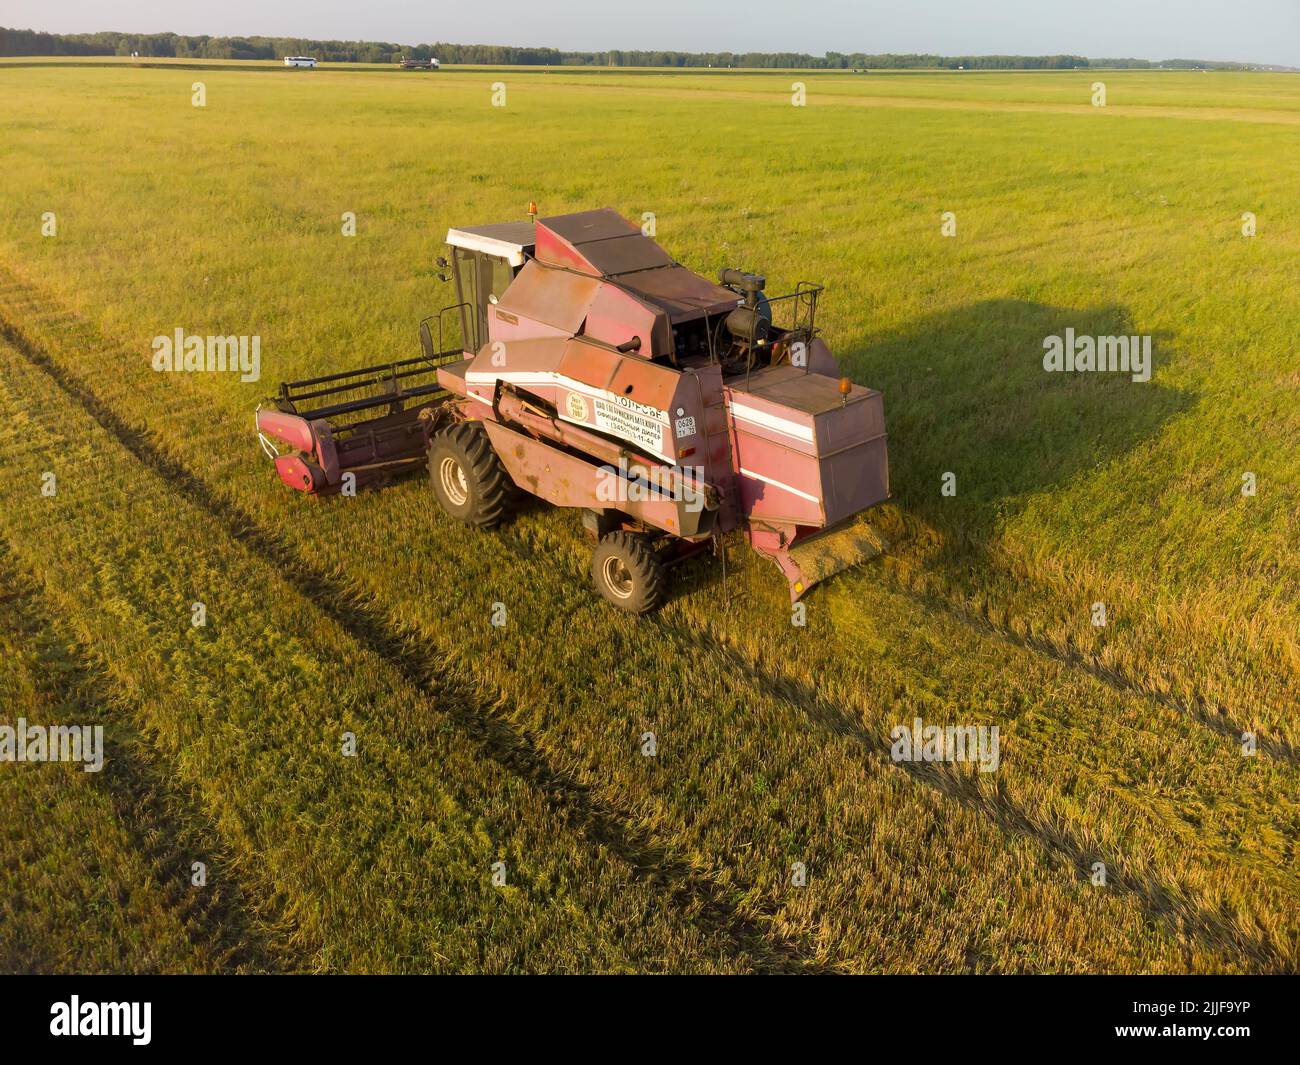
x: 1258, y: 31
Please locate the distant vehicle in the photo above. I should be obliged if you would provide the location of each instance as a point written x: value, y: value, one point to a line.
x: 299, y: 61
x: 419, y: 64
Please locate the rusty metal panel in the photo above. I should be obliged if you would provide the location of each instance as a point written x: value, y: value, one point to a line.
x: 583, y: 226
x: 683, y: 294
x: 554, y: 297
x: 777, y: 483
x: 795, y: 387
x: 646, y: 384
x: 842, y: 427
x: 569, y: 481
x: 616, y: 317
x: 804, y: 453
x: 452, y: 376
x: 854, y: 479
x: 560, y: 239
x: 589, y: 363
x: 618, y: 255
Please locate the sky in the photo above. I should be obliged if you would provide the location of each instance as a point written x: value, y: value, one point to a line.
x: 1253, y: 31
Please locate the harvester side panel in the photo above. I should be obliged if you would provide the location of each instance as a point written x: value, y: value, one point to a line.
x: 508, y: 327
x: 620, y: 395
x: 567, y: 480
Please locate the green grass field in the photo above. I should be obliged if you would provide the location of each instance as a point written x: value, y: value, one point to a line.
x: 514, y: 751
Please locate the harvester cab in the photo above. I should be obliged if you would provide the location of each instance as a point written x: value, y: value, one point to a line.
x: 597, y: 373
x: 484, y: 262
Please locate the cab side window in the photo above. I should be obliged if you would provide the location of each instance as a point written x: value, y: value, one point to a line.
x: 481, y: 280
x: 467, y: 291
x: 499, y: 275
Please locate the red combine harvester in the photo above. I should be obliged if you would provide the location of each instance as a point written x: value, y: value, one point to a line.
x: 597, y: 373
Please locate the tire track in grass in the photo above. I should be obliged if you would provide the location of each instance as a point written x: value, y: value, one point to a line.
x: 1218, y: 719
x: 161, y: 820
x: 513, y: 749
x: 1165, y: 902
x: 767, y: 910
x: 1270, y: 790
x: 680, y: 639
x: 226, y: 504
x: 550, y: 887
x: 1157, y: 900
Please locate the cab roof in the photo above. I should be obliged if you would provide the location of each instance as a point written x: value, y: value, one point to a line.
x: 506, y: 240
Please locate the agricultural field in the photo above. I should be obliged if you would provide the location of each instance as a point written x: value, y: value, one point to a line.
x: 499, y: 814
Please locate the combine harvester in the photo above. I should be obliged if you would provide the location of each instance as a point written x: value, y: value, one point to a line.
x: 597, y: 373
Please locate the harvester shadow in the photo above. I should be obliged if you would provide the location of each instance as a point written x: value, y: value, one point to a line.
x: 966, y: 392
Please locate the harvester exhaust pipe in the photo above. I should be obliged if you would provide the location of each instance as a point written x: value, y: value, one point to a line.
x: 749, y: 284
x: 751, y: 322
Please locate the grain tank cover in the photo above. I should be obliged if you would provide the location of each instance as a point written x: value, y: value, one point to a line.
x: 597, y: 242
x: 605, y: 244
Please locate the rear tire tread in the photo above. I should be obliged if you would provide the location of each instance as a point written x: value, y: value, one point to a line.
x: 646, y: 569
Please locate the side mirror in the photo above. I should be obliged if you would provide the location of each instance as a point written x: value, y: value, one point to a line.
x: 426, y: 340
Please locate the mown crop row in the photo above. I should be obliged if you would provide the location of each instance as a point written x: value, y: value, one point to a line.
x: 772, y: 749
x: 382, y: 861
x: 1122, y: 744
x: 84, y: 883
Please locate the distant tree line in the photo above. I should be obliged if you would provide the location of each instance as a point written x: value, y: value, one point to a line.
x: 179, y: 46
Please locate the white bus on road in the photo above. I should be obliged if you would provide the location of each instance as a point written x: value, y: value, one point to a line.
x: 299, y: 61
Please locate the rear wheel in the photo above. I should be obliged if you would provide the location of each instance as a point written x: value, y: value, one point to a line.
x: 471, y: 484
x: 627, y: 572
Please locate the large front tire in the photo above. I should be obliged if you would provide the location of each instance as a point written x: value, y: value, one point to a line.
x: 627, y: 572
x: 468, y: 479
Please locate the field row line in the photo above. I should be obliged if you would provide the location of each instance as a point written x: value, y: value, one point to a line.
x: 1216, y: 719
x: 1152, y: 896
x: 1157, y: 900
x: 513, y: 749
x: 162, y: 819
x: 690, y: 637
